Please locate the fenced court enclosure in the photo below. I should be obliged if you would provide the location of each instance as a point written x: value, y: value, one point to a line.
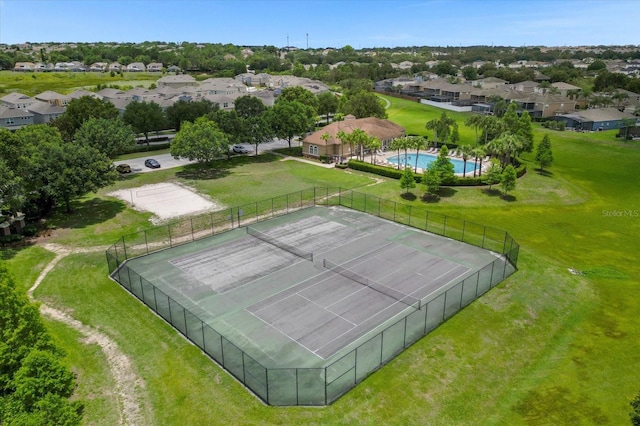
x: 301, y: 297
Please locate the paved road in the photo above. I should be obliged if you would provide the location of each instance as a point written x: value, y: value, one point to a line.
x: 167, y: 161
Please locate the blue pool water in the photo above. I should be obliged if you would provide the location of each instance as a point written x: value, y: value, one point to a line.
x: 425, y: 159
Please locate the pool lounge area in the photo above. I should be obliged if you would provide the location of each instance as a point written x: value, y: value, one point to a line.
x: 423, y: 159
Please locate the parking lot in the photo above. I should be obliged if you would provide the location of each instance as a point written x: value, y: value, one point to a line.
x: 167, y: 161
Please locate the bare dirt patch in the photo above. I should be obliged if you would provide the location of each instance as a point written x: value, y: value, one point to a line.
x: 166, y: 200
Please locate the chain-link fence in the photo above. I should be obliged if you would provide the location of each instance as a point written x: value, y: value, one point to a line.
x: 314, y: 386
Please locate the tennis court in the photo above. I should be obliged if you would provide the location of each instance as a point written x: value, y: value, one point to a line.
x: 334, y: 276
x: 302, y: 303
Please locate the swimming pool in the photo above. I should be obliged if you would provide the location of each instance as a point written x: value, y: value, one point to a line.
x: 425, y: 159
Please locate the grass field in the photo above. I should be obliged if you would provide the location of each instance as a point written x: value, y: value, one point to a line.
x: 31, y: 84
x: 544, y: 347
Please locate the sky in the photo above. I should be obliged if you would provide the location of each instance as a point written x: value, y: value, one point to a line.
x: 328, y: 23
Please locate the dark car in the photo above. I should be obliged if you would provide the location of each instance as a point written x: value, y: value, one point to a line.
x: 151, y: 163
x: 123, y: 168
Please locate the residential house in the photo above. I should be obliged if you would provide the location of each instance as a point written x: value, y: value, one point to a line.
x: 24, y: 66
x: 224, y: 102
x: 546, y: 105
x: 315, y: 146
x: 16, y: 100
x: 53, y: 98
x: 98, y: 67
x: 136, y: 67
x: 489, y: 83
x: 81, y: 92
x: 14, y: 118
x: 115, y: 67
x: 525, y: 86
x: 43, y: 112
x: 595, y: 119
x: 176, y: 81
x: 173, y: 68
x: 109, y: 94
x: 154, y: 67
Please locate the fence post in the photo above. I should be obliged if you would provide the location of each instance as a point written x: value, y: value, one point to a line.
x: 325, y: 386
x: 297, y: 400
x: 409, y: 215
x: 355, y: 368
x: 244, y: 374
x: 504, y: 244
x: 193, y: 236
x: 184, y: 315
x: 365, y: 202
x: 231, y: 215
x: 272, y: 212
x: 379, y: 200
x: 287, y: 203
x: 314, y: 196
x: 426, y: 222
x: 266, y: 379
x: 257, y: 215
x: 146, y: 243
x: 484, y: 232
x: 169, y: 232
x: 394, y: 211
x: 124, y: 247
x: 444, y: 227
x: 381, y: 346
x: 221, y: 348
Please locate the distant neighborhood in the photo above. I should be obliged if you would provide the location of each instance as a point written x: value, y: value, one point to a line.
x: 442, y: 77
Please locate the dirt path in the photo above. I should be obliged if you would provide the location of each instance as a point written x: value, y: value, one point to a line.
x: 129, y: 387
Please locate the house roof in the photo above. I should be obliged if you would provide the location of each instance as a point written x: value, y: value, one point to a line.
x: 42, y: 108
x: 81, y: 92
x: 50, y: 95
x: 6, y: 112
x: 564, y: 86
x: 599, y: 114
x: 383, y: 129
x: 15, y: 97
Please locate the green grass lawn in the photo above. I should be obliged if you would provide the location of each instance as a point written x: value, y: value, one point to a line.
x: 543, y: 347
x: 31, y: 84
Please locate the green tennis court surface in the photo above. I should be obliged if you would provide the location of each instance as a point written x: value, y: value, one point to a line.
x: 308, y: 287
x: 299, y: 302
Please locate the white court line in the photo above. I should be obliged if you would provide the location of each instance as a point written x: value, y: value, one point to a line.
x: 325, y: 309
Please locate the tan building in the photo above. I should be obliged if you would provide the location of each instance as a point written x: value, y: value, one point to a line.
x: 314, y: 146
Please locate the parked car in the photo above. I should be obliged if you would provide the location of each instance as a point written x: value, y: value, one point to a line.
x: 239, y: 149
x: 123, y: 168
x: 151, y: 163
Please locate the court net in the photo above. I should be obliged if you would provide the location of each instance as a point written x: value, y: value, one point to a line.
x: 282, y: 245
x: 387, y: 291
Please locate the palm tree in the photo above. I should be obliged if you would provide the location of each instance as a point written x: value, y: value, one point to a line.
x: 325, y: 137
x: 358, y: 138
x: 465, y: 151
x: 419, y: 143
x: 374, y: 144
x: 478, y: 152
x: 505, y: 147
x: 474, y: 121
x: 441, y: 127
x: 344, y: 139
x: 405, y: 143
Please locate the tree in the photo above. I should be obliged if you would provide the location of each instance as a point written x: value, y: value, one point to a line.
x: 344, y: 139
x: 443, y: 127
x: 189, y: 111
x: 465, y: 151
x: 144, y: 117
x: 257, y: 130
x: 111, y: 137
x: 627, y: 123
x: 508, y: 179
x: 635, y: 413
x: 478, y: 153
x: 418, y: 143
x: 202, y: 141
x: 291, y: 118
x: 363, y: 104
x: 249, y: 106
x: 431, y: 180
x: 327, y: 104
x: 80, y: 110
x: 299, y: 94
x: 493, y: 175
x: 65, y: 172
x: 34, y: 382
x: 359, y: 138
x: 230, y: 123
x: 525, y: 131
x: 373, y: 144
x: 469, y: 73
x: 407, y: 180
x: 475, y: 121
x: 445, y: 167
x: 544, y: 156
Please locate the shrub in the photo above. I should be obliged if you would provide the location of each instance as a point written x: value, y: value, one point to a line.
x: 10, y: 239
x: 30, y: 230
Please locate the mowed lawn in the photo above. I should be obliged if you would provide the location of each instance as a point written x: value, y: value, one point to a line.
x: 544, y: 347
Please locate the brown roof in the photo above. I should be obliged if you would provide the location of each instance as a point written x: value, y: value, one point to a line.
x: 383, y: 129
